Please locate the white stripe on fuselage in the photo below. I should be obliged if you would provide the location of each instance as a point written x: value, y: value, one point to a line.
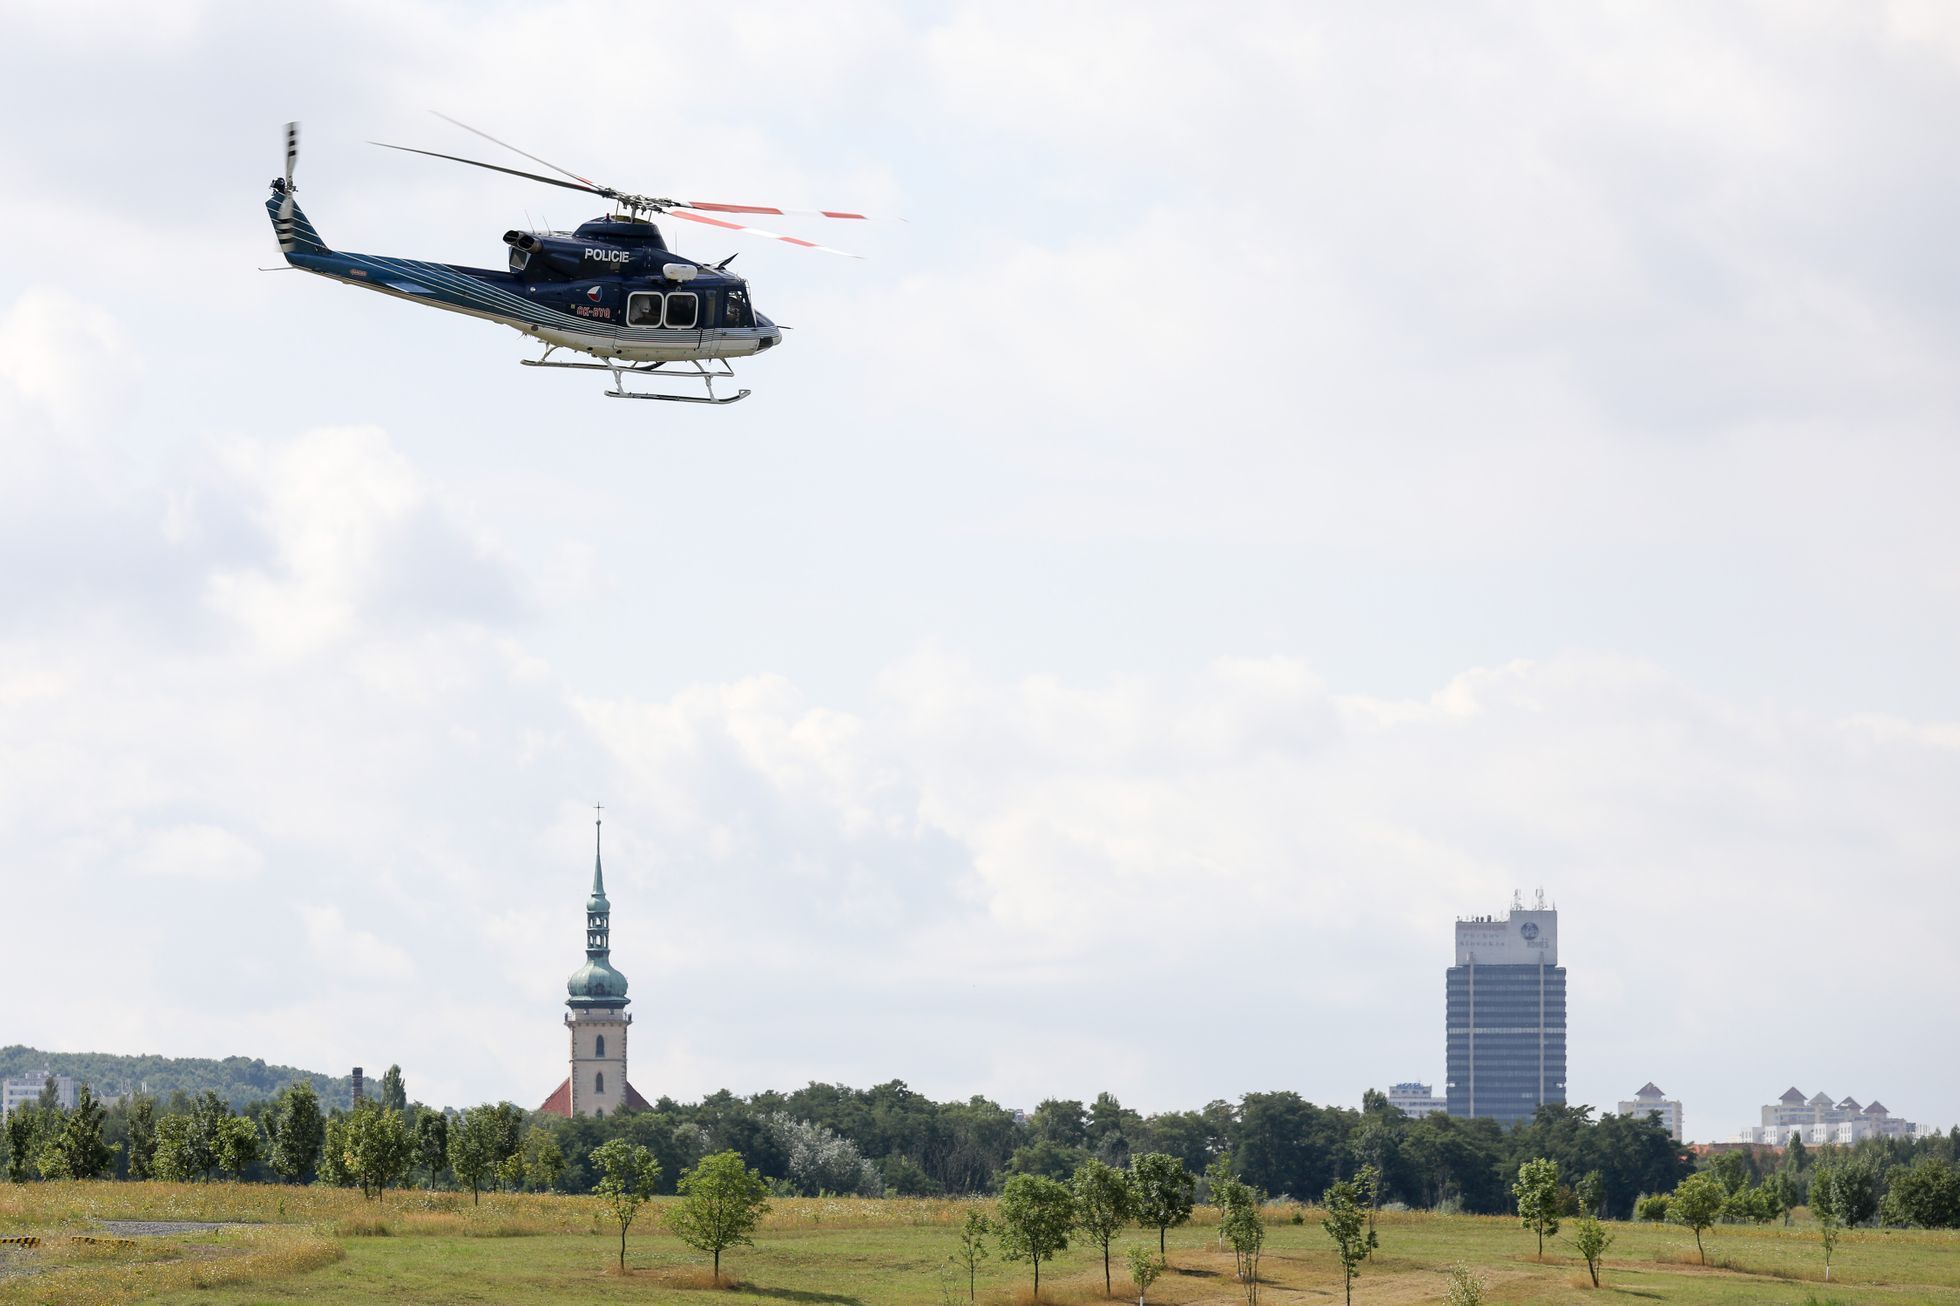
x: 493, y: 303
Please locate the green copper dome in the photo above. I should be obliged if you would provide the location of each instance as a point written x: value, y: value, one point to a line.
x: 596, y: 983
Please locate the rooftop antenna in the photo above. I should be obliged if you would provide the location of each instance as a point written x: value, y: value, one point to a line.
x: 1517, y: 900
x: 1541, y: 901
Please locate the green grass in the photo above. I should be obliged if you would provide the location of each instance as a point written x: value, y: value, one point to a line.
x: 331, y: 1246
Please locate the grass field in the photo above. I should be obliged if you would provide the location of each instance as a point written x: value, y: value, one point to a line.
x: 330, y: 1245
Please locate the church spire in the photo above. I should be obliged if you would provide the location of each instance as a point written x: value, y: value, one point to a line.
x: 598, y: 871
x: 596, y: 983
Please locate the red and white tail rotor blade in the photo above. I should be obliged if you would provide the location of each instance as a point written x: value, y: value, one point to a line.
x: 678, y: 212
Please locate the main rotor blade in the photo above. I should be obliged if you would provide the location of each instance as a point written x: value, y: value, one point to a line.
x: 474, y: 163
x: 678, y: 212
x: 514, y: 150
x: 710, y: 207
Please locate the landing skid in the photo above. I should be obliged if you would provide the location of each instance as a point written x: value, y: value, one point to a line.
x: 706, y: 375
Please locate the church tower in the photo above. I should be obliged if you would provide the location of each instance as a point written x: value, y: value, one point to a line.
x: 598, y: 1021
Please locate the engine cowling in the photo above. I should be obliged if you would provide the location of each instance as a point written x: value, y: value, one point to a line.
x: 555, y: 256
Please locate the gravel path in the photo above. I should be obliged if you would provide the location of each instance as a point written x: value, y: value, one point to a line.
x: 159, y: 1228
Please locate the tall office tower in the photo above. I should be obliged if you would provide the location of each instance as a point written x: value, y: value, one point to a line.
x: 1506, y: 1024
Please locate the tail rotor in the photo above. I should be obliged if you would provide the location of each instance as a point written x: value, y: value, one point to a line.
x: 292, y: 157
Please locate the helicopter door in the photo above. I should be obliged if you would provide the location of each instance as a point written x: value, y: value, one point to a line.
x: 683, y: 313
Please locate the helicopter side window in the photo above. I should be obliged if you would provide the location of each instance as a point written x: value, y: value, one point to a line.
x: 683, y: 310
x: 643, y: 309
x: 735, y: 311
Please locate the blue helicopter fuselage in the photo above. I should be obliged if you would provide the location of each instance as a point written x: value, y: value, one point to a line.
x: 611, y: 289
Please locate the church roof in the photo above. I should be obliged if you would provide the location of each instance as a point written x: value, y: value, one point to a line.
x: 560, y: 1101
x: 1792, y: 1097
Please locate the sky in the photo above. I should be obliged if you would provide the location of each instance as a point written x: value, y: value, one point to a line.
x: 1297, y: 475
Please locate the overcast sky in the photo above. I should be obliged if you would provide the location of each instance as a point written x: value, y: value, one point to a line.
x: 1300, y: 474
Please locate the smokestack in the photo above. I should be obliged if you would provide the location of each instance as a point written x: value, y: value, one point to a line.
x: 360, y: 1086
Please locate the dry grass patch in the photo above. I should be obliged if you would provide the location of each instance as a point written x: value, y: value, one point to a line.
x: 102, y: 1274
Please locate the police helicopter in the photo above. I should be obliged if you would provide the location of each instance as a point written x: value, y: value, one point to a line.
x: 611, y: 288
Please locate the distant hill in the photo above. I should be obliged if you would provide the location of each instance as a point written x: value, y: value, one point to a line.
x: 237, y: 1080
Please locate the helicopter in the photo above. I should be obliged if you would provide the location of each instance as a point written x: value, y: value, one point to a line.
x: 611, y: 288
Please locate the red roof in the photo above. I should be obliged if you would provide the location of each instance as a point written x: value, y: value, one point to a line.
x: 560, y: 1101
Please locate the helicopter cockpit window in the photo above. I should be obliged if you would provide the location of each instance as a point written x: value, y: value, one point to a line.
x: 643, y: 309
x: 683, y: 310
x: 735, y: 312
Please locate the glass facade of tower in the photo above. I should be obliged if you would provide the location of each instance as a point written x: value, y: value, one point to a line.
x: 1505, y: 1026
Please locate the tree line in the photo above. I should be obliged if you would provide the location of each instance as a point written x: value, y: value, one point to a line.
x: 888, y: 1139
x: 238, y: 1080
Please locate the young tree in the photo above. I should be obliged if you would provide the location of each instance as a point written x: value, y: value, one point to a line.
x: 1246, y: 1231
x: 1105, y: 1201
x: 237, y: 1145
x: 378, y: 1147
x: 1035, y: 1218
x: 1536, y: 1192
x: 23, y: 1140
x: 972, y: 1249
x: 176, y: 1158
x: 1823, y: 1208
x: 1466, y: 1287
x: 1592, y: 1240
x: 142, y: 1135
x: 1368, y: 1190
x: 432, y: 1144
x: 297, y: 1132
x: 333, y: 1153
x: 1855, y: 1195
x: 1164, y: 1190
x: 628, y: 1176
x: 1347, y: 1224
x: 544, y: 1160
x: 1783, y: 1188
x: 1591, y: 1191
x: 394, y: 1094
x: 473, y: 1146
x: 1220, y: 1175
x: 721, y: 1203
x: 1697, y: 1203
x: 1144, y: 1271
x: 73, y: 1148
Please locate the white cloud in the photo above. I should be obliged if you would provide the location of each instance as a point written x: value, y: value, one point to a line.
x: 358, y: 955
x: 196, y: 852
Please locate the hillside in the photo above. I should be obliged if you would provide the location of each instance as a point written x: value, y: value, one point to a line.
x: 237, y: 1080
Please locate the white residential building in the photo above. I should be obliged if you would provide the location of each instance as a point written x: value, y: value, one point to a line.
x: 27, y: 1091
x: 1651, y: 1101
x: 1416, y: 1099
x: 1817, y: 1119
